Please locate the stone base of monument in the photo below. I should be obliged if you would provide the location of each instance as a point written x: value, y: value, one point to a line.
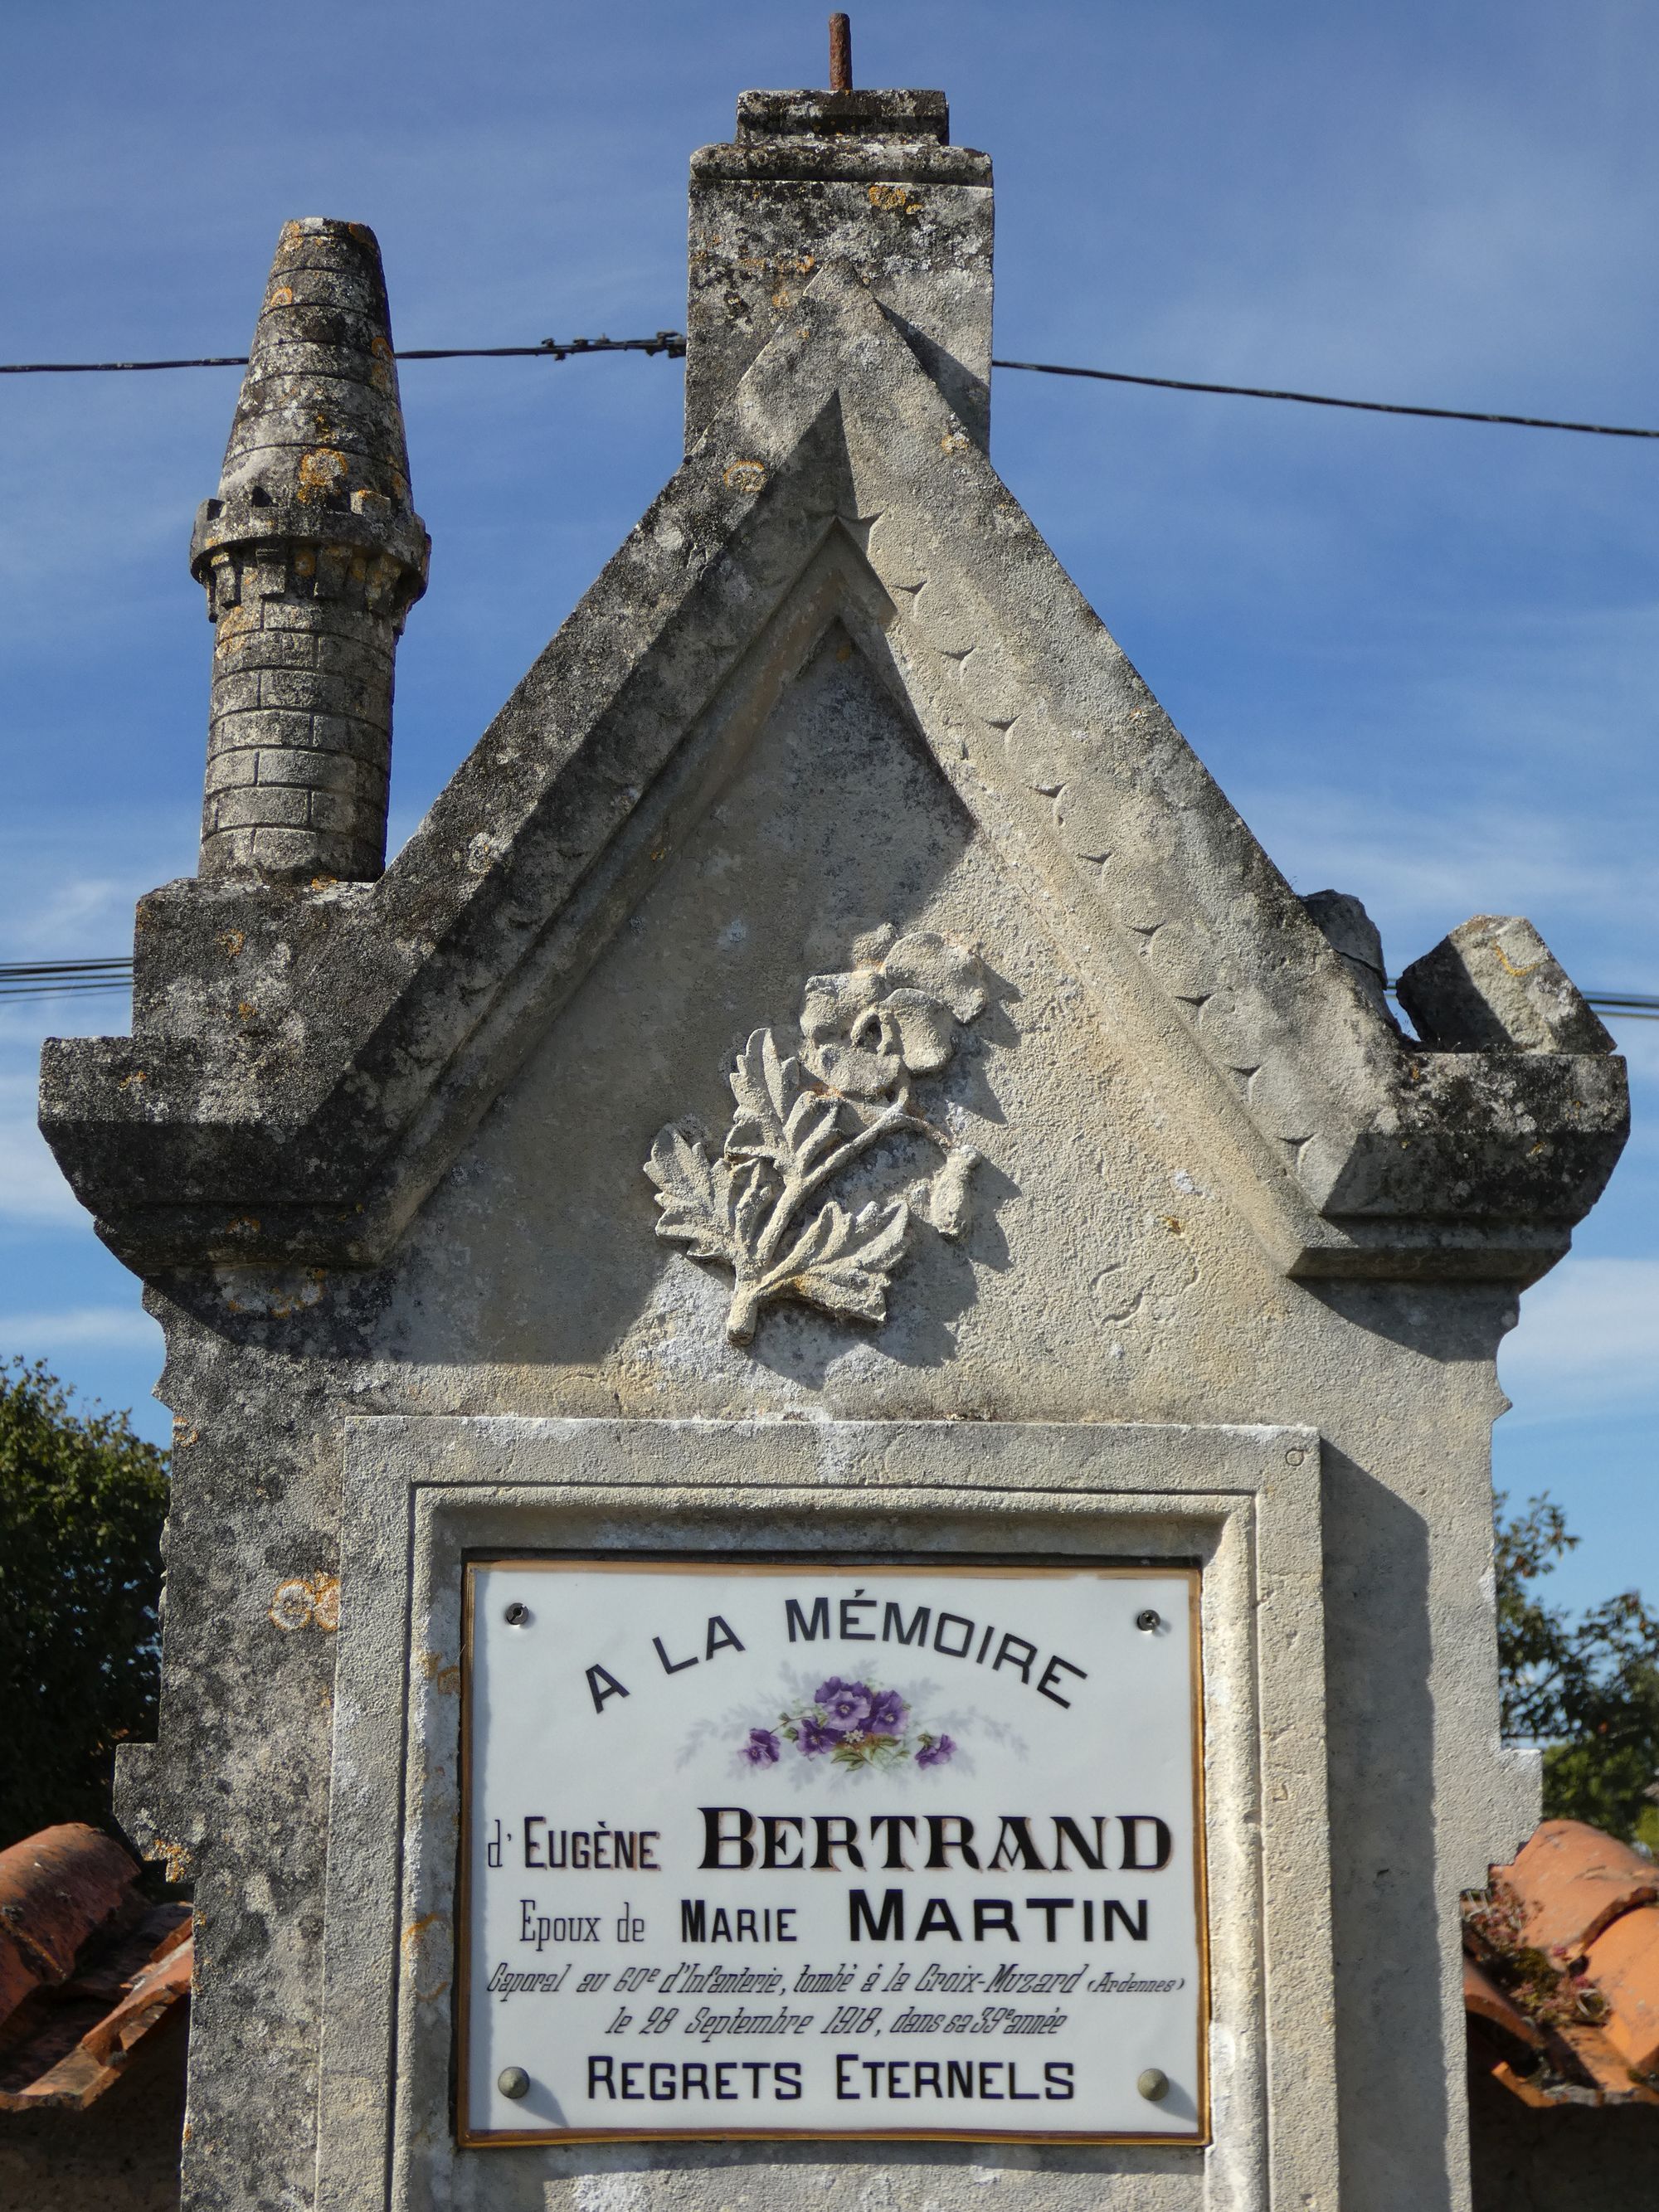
x: 630, y: 1897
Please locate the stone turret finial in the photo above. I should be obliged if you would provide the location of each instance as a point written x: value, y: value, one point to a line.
x: 312, y: 556
x: 868, y: 178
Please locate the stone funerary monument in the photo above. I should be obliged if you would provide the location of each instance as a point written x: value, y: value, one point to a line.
x: 833, y: 1366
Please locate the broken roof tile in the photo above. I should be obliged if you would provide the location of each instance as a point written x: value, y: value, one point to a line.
x: 1624, y: 1966
x: 1567, y: 1942
x: 56, y: 1887
x: 1483, y: 2000
x: 1571, y: 1882
x: 88, y: 1969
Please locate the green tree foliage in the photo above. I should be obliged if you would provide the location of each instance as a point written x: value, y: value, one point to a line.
x: 1587, y: 1691
x: 81, y: 1504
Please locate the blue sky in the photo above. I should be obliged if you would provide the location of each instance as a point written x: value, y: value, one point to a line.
x: 1423, y: 659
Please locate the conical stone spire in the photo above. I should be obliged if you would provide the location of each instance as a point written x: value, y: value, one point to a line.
x: 312, y: 554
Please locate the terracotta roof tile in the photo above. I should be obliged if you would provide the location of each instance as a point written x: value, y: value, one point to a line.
x: 56, y: 1888
x: 1602, y: 2061
x: 1571, y: 1882
x: 1519, y: 2085
x: 1484, y: 2000
x: 1561, y: 1987
x: 87, y: 1969
x: 1624, y: 1967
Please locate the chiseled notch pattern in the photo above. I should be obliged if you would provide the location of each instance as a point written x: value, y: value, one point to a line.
x: 1123, y: 839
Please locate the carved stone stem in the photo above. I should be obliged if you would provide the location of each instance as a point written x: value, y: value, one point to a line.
x: 898, y: 1115
x: 743, y: 1315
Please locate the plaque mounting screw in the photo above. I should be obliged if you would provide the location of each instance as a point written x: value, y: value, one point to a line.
x: 515, y: 1616
x: 1147, y: 1622
x: 1154, y: 2085
x: 513, y: 2081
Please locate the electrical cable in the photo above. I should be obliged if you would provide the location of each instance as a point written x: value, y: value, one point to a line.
x: 53, y: 979
x: 671, y: 344
x: 1325, y: 399
x: 44, y: 979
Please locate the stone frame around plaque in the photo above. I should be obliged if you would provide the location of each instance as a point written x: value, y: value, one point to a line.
x: 420, y: 1495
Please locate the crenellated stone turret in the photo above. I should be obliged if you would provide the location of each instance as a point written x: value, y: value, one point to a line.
x: 312, y: 556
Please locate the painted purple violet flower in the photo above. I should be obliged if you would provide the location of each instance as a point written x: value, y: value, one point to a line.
x: 936, y: 1752
x: 815, y: 1736
x: 846, y: 1705
x: 888, y: 1713
x: 763, y: 1748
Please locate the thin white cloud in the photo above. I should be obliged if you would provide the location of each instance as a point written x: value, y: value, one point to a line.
x: 69, y: 879
x: 1420, y: 874
x: 33, y: 1191
x: 105, y: 1329
x: 1588, y: 1341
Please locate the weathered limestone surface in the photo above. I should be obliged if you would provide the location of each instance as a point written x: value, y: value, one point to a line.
x: 1494, y: 986
x: 376, y: 1149
x: 867, y: 179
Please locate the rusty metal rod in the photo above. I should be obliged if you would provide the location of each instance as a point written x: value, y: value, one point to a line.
x: 841, y: 54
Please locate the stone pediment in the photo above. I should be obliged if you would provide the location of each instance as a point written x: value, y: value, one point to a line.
x: 306, y: 1062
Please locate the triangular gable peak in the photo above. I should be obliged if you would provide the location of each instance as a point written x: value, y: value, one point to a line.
x: 306, y: 1061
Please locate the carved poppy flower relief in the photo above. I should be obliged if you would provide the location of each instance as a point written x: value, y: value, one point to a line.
x: 892, y: 1015
x: 865, y: 1033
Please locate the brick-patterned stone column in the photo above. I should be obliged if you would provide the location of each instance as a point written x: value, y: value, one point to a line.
x: 311, y: 557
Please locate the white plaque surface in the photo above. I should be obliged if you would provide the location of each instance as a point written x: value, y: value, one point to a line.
x: 797, y: 1849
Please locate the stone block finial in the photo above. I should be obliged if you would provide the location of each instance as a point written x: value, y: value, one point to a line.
x: 866, y: 177
x: 1494, y: 986
x: 312, y: 556
x: 1354, y: 937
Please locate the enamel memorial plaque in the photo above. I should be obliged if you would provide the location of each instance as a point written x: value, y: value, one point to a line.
x: 806, y: 1850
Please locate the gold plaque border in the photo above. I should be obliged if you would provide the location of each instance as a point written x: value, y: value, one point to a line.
x: 835, y: 1563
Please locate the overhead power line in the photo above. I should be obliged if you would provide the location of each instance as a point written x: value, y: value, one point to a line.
x: 1631, y: 1003
x: 52, y: 978
x: 49, y: 979
x: 671, y: 345
x: 1325, y: 399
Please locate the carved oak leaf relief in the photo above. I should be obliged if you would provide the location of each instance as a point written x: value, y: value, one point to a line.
x: 865, y: 1036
